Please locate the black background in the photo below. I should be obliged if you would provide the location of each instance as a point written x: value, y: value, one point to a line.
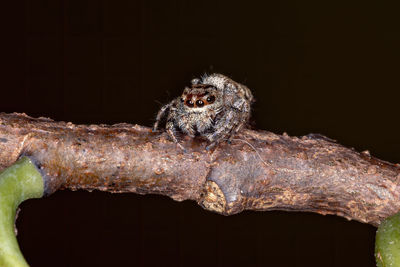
x: 329, y: 67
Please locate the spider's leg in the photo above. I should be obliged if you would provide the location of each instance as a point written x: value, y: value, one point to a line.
x: 232, y: 121
x: 229, y: 122
x: 171, y: 132
x: 223, y: 128
x: 160, y: 115
x: 244, y: 117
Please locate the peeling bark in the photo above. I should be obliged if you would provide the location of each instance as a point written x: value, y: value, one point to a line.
x: 258, y: 171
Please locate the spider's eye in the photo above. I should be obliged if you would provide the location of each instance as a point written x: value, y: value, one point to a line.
x: 199, y: 103
x: 189, y: 103
x: 210, y: 99
x: 182, y: 100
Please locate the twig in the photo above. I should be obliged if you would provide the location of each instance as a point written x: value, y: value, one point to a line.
x: 311, y: 173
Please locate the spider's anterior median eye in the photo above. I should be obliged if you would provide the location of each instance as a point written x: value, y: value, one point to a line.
x: 189, y: 103
x: 199, y: 103
x: 210, y: 99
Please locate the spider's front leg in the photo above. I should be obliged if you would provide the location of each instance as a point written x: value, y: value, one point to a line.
x: 223, y: 128
x: 161, y: 114
x: 241, y: 121
x: 228, y: 125
x: 170, y: 127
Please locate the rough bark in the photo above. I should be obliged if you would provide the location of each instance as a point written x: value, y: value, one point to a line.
x: 259, y: 170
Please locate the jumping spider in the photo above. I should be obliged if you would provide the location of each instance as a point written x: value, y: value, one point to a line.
x: 214, y: 107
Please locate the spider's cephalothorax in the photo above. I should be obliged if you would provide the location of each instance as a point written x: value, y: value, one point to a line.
x: 214, y: 107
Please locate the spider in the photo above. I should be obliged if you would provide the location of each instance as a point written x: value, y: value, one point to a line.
x: 214, y: 107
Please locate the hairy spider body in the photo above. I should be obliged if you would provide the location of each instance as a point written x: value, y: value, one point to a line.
x: 214, y: 107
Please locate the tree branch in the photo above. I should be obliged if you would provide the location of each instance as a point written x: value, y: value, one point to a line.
x: 258, y: 171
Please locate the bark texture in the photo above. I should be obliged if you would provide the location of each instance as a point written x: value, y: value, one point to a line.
x: 259, y: 171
